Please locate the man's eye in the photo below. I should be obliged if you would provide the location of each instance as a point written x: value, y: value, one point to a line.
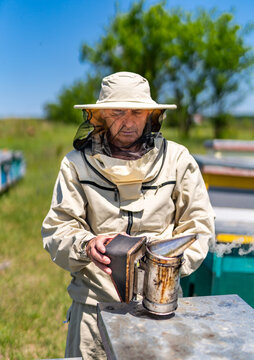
x: 117, y: 113
x: 137, y: 112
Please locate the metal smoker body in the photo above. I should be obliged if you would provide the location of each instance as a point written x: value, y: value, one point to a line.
x: 161, y: 283
x: 151, y: 269
x: 160, y: 280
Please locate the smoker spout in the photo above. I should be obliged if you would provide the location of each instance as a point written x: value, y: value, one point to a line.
x: 171, y: 247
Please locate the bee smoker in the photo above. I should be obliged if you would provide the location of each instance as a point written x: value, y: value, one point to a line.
x: 150, y: 269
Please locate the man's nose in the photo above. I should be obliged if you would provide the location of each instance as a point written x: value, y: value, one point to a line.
x: 129, y: 123
x: 130, y: 119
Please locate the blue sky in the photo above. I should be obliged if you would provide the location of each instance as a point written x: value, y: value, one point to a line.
x: 40, y: 43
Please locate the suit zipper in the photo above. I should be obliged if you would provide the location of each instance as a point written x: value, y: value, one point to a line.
x: 157, y: 187
x: 130, y: 222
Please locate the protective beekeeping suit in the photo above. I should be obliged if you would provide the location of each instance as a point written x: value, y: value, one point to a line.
x: 122, y: 177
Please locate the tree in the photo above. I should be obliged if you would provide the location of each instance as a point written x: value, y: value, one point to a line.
x: 196, y: 59
x: 227, y: 62
x: 80, y: 93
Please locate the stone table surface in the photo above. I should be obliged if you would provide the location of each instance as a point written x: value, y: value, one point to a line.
x: 207, y: 327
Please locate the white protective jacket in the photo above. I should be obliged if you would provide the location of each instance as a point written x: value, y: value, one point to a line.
x: 160, y: 195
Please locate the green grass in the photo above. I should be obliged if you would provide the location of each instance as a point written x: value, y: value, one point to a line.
x: 34, y: 300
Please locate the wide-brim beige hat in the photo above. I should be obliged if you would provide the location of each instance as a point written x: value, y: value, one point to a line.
x: 125, y: 90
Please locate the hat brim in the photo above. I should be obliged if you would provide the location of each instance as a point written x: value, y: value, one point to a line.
x: 126, y: 105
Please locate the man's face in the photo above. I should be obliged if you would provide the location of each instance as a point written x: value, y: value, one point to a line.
x: 125, y: 125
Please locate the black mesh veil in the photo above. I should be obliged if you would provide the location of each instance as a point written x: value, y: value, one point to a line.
x: 94, y: 126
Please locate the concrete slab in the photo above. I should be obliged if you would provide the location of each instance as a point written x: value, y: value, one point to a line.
x: 209, y: 327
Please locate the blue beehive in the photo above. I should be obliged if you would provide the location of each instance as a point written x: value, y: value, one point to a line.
x: 17, y: 166
x: 229, y: 265
x: 229, y: 274
x: 228, y: 171
x: 12, y: 168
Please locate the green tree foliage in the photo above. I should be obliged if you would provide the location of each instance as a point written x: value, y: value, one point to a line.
x: 80, y: 93
x: 227, y: 62
x: 194, y: 60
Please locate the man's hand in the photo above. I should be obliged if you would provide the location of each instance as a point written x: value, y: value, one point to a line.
x: 95, y: 250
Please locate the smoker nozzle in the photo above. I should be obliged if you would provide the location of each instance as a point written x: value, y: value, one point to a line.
x: 173, y: 247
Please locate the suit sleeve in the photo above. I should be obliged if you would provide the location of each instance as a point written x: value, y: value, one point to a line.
x: 194, y: 213
x: 65, y: 229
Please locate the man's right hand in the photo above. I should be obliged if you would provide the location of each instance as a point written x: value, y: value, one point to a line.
x: 95, y: 250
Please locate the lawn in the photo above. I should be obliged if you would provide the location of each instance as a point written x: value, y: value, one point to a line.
x: 34, y: 300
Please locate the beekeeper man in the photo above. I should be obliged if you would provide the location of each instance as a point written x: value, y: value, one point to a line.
x: 122, y: 177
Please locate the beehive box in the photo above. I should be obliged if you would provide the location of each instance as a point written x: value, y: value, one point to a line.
x: 12, y: 168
